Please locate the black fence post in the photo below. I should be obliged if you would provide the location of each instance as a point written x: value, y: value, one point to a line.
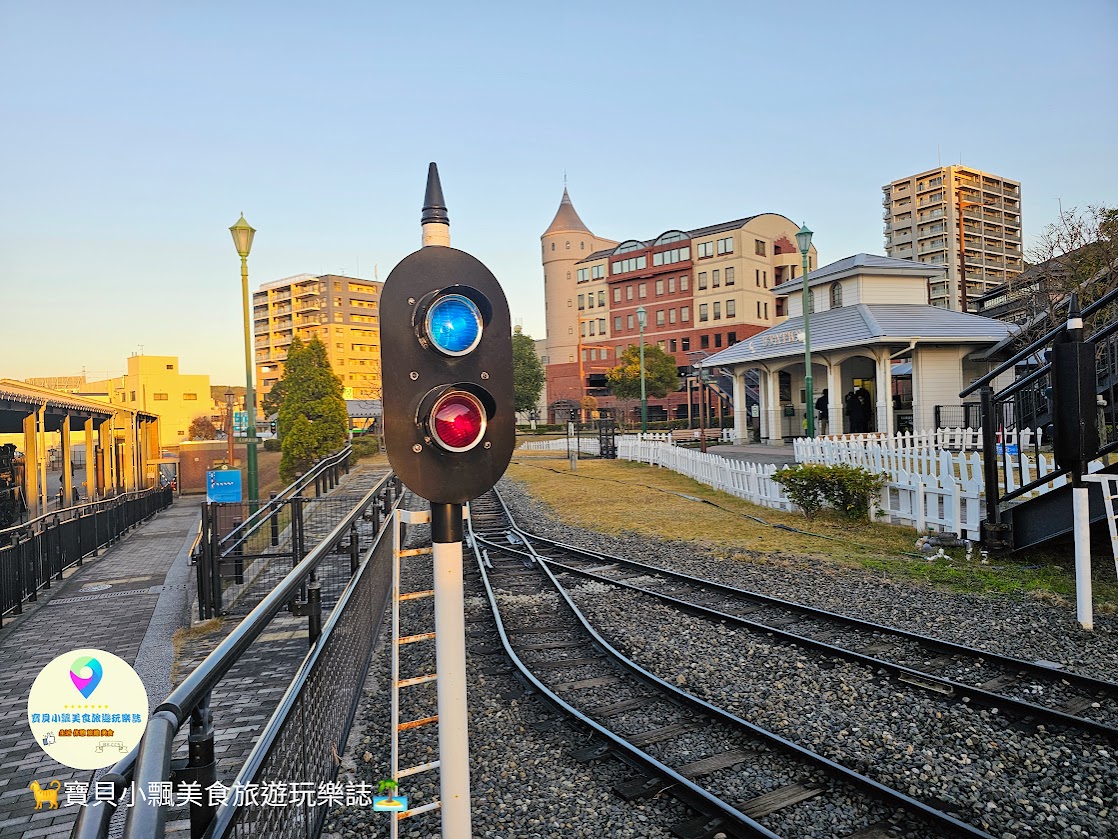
x: 314, y: 609
x: 238, y: 556
x: 354, y: 549
x: 992, y: 528
x: 201, y: 766
x: 273, y: 520
x: 20, y: 550
x: 297, y: 546
x: 202, y: 568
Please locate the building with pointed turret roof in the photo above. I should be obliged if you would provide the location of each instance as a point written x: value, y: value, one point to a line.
x: 701, y: 289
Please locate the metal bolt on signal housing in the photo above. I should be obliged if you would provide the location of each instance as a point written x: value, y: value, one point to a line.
x: 417, y: 448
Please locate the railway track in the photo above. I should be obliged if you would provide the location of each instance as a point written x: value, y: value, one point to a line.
x: 739, y: 778
x: 1034, y: 692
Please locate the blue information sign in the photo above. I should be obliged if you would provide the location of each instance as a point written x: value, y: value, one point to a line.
x: 223, y: 485
x: 240, y: 422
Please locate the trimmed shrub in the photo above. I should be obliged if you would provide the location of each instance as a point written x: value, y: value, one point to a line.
x: 850, y: 490
x: 271, y: 445
x: 366, y: 447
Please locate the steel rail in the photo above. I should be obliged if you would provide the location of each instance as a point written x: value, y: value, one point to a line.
x: 836, y: 771
x: 1080, y: 681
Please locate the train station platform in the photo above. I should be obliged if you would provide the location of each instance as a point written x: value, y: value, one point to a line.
x: 128, y: 601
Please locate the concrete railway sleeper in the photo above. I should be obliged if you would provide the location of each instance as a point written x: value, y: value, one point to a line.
x: 741, y: 779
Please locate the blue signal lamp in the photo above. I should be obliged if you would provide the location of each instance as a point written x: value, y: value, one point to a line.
x: 454, y: 324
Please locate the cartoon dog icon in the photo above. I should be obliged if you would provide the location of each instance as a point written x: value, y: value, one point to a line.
x: 46, y: 796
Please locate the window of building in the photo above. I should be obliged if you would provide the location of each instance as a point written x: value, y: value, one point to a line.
x: 170, y: 367
x: 617, y: 295
x: 684, y: 344
x: 726, y: 245
x: 659, y: 287
x: 704, y: 312
x: 159, y: 397
x: 597, y: 272
x: 583, y: 275
x: 731, y: 308
x: 731, y: 338
x: 593, y: 354
x: 765, y: 279
x: 642, y: 291
x: 339, y: 346
x: 704, y: 342
x: 628, y: 292
x: 617, y: 323
x: 759, y: 247
x: 338, y: 301
x: 766, y: 310
x: 717, y: 311
x: 633, y: 263
x: 672, y: 344
x: 780, y: 307
x: 601, y: 326
x: 660, y: 344
x: 553, y: 246
x: 568, y: 245
x: 716, y: 278
x: 717, y: 339
x: 190, y: 397
x: 836, y: 295
x: 590, y: 301
x: 629, y: 321
x: 671, y: 315
x: 758, y: 308
x: 729, y: 276
x: 582, y: 329
x: 671, y: 285
x: 683, y: 282
x: 582, y: 246
x: 581, y: 302
x: 593, y: 327
x: 601, y: 297
x: 133, y: 397
x: 684, y: 313
x: 659, y: 317
x: 702, y: 280
x: 704, y: 249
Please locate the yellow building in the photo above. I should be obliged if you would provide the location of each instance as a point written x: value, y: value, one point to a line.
x: 342, y: 311
x: 153, y: 384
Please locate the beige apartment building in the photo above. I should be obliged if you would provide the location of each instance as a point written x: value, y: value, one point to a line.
x: 342, y: 311
x: 959, y: 218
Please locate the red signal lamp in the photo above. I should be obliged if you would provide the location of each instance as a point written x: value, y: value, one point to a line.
x: 457, y: 421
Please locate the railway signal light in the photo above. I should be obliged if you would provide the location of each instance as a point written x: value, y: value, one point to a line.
x: 449, y: 418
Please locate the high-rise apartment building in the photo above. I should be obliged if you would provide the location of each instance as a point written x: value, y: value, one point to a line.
x: 342, y: 311
x: 961, y: 218
x: 700, y: 290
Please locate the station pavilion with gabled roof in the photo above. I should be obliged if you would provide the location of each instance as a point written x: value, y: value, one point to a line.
x: 870, y: 322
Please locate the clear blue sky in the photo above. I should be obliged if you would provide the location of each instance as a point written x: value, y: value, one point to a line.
x: 135, y: 133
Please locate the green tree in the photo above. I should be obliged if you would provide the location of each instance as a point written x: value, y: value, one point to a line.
x: 202, y: 428
x: 312, y: 416
x: 660, y: 374
x: 527, y: 372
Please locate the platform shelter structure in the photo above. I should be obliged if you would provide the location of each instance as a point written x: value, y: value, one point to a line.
x: 121, y: 445
x: 873, y: 336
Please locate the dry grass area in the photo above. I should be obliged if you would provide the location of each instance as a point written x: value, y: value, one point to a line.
x: 617, y: 496
x: 191, y: 633
x: 614, y: 497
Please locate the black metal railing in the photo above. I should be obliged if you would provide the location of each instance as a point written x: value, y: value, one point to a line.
x: 966, y: 415
x: 311, y: 722
x: 1010, y: 455
x: 38, y: 551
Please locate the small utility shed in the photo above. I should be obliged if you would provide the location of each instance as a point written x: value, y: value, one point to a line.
x: 868, y: 316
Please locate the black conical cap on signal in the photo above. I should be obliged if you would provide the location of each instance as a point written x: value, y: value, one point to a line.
x: 434, y: 205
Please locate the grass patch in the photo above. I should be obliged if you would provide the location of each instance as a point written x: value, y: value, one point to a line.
x: 187, y: 634
x: 616, y: 497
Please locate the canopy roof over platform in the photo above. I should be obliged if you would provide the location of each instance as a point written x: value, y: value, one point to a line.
x: 18, y: 399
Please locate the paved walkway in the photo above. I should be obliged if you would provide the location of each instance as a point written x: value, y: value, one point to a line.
x: 757, y: 453
x: 149, y: 575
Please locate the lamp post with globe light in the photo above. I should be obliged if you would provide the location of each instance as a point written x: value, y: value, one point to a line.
x: 803, y: 241
x: 242, y: 237
x: 642, y: 319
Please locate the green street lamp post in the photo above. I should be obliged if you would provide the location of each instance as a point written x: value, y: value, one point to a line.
x: 642, y: 319
x: 803, y: 241
x: 242, y: 237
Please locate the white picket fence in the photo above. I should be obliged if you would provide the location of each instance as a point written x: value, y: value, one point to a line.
x: 910, y: 498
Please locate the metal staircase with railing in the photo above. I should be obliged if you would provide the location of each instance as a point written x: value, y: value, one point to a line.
x: 1023, y: 513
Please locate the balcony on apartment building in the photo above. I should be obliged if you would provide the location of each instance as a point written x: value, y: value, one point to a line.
x: 309, y: 289
x: 933, y: 246
x: 309, y: 306
x: 925, y: 232
x: 930, y: 200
